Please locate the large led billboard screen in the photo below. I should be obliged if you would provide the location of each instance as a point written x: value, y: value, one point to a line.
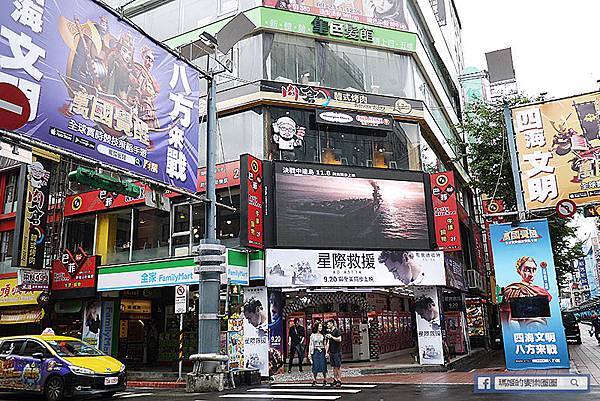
x: 325, y: 206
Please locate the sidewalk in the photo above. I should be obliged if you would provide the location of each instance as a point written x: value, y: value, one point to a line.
x: 586, y: 356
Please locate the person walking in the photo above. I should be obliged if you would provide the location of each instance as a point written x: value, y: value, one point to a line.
x: 317, y: 353
x: 596, y: 326
x: 334, y: 338
x: 296, y: 340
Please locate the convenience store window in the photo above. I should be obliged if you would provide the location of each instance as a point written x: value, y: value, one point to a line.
x: 10, y: 193
x: 6, y: 245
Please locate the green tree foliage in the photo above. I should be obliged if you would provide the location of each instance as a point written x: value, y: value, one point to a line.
x: 490, y: 168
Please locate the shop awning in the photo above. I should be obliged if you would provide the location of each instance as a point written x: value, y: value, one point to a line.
x: 19, y: 316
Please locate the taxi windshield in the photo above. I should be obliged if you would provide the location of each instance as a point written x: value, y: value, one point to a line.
x: 69, y: 348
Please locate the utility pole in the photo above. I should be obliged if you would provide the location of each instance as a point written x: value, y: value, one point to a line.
x: 210, y: 257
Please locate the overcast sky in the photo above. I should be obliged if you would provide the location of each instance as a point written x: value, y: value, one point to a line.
x: 554, y: 43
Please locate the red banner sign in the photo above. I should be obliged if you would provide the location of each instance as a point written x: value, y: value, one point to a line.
x: 251, y: 231
x: 228, y: 175
x: 445, y: 211
x: 74, y: 271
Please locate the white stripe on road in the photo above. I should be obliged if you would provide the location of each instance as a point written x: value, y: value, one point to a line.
x: 136, y: 395
x: 8, y: 106
x: 283, y: 396
x: 310, y: 385
x: 305, y: 390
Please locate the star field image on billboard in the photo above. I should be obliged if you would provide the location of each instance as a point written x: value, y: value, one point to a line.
x: 322, y: 206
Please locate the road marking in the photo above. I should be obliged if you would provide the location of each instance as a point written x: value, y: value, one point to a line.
x: 310, y: 385
x: 283, y: 396
x: 136, y: 395
x: 305, y: 390
x: 8, y: 106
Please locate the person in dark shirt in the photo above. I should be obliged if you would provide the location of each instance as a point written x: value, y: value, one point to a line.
x: 596, y: 325
x: 335, y: 351
x: 297, y: 335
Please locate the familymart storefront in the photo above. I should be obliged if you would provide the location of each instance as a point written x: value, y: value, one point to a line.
x: 147, y: 327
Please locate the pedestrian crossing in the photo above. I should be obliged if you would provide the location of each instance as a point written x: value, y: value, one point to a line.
x: 126, y: 394
x: 299, y: 392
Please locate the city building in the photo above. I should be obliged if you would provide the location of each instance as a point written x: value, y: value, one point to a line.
x: 317, y: 87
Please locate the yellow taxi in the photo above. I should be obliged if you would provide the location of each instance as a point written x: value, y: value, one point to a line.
x: 58, y: 367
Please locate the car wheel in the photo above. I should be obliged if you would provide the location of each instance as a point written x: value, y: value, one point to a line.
x: 54, y: 389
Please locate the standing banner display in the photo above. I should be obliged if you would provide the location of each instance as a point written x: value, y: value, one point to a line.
x: 256, y: 330
x: 92, y: 323
x: 429, y: 326
x: 100, y: 89
x: 276, y: 360
x: 534, y: 336
x: 106, y: 330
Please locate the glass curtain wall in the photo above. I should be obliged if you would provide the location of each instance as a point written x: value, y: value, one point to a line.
x: 334, y: 144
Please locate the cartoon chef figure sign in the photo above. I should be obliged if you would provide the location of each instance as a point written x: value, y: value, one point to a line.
x: 287, y: 134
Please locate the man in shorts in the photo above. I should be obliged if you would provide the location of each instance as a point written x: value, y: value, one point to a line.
x: 335, y: 351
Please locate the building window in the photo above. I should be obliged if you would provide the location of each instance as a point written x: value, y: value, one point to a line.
x: 151, y: 234
x: 80, y: 233
x: 119, y: 237
x: 6, y: 248
x: 10, y: 193
x: 337, y: 144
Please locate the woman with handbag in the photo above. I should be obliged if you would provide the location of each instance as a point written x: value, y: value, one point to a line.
x: 317, y: 353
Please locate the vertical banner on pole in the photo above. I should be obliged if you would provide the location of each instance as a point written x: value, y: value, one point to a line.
x: 429, y: 329
x: 256, y: 330
x: 534, y: 336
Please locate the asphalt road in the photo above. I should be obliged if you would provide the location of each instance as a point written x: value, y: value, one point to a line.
x: 290, y: 392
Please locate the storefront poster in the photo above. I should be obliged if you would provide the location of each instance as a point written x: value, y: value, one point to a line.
x: 534, y: 336
x: 324, y: 206
x: 330, y: 268
x: 11, y: 295
x: 455, y: 272
x: 92, y: 323
x: 100, y: 89
x: 389, y: 14
x: 256, y: 329
x: 74, y: 274
x: 30, y: 227
x: 445, y: 211
x: 557, y: 144
x: 251, y: 200
x: 429, y: 329
x: 276, y: 360
x: 33, y: 279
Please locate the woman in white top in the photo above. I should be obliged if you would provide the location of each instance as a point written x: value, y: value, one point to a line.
x: 317, y: 353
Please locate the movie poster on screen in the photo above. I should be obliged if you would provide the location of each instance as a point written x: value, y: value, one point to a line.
x: 429, y: 326
x: 329, y: 206
x: 387, y: 13
x: 256, y: 329
x: 337, y: 268
x: 534, y: 336
x: 100, y: 89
